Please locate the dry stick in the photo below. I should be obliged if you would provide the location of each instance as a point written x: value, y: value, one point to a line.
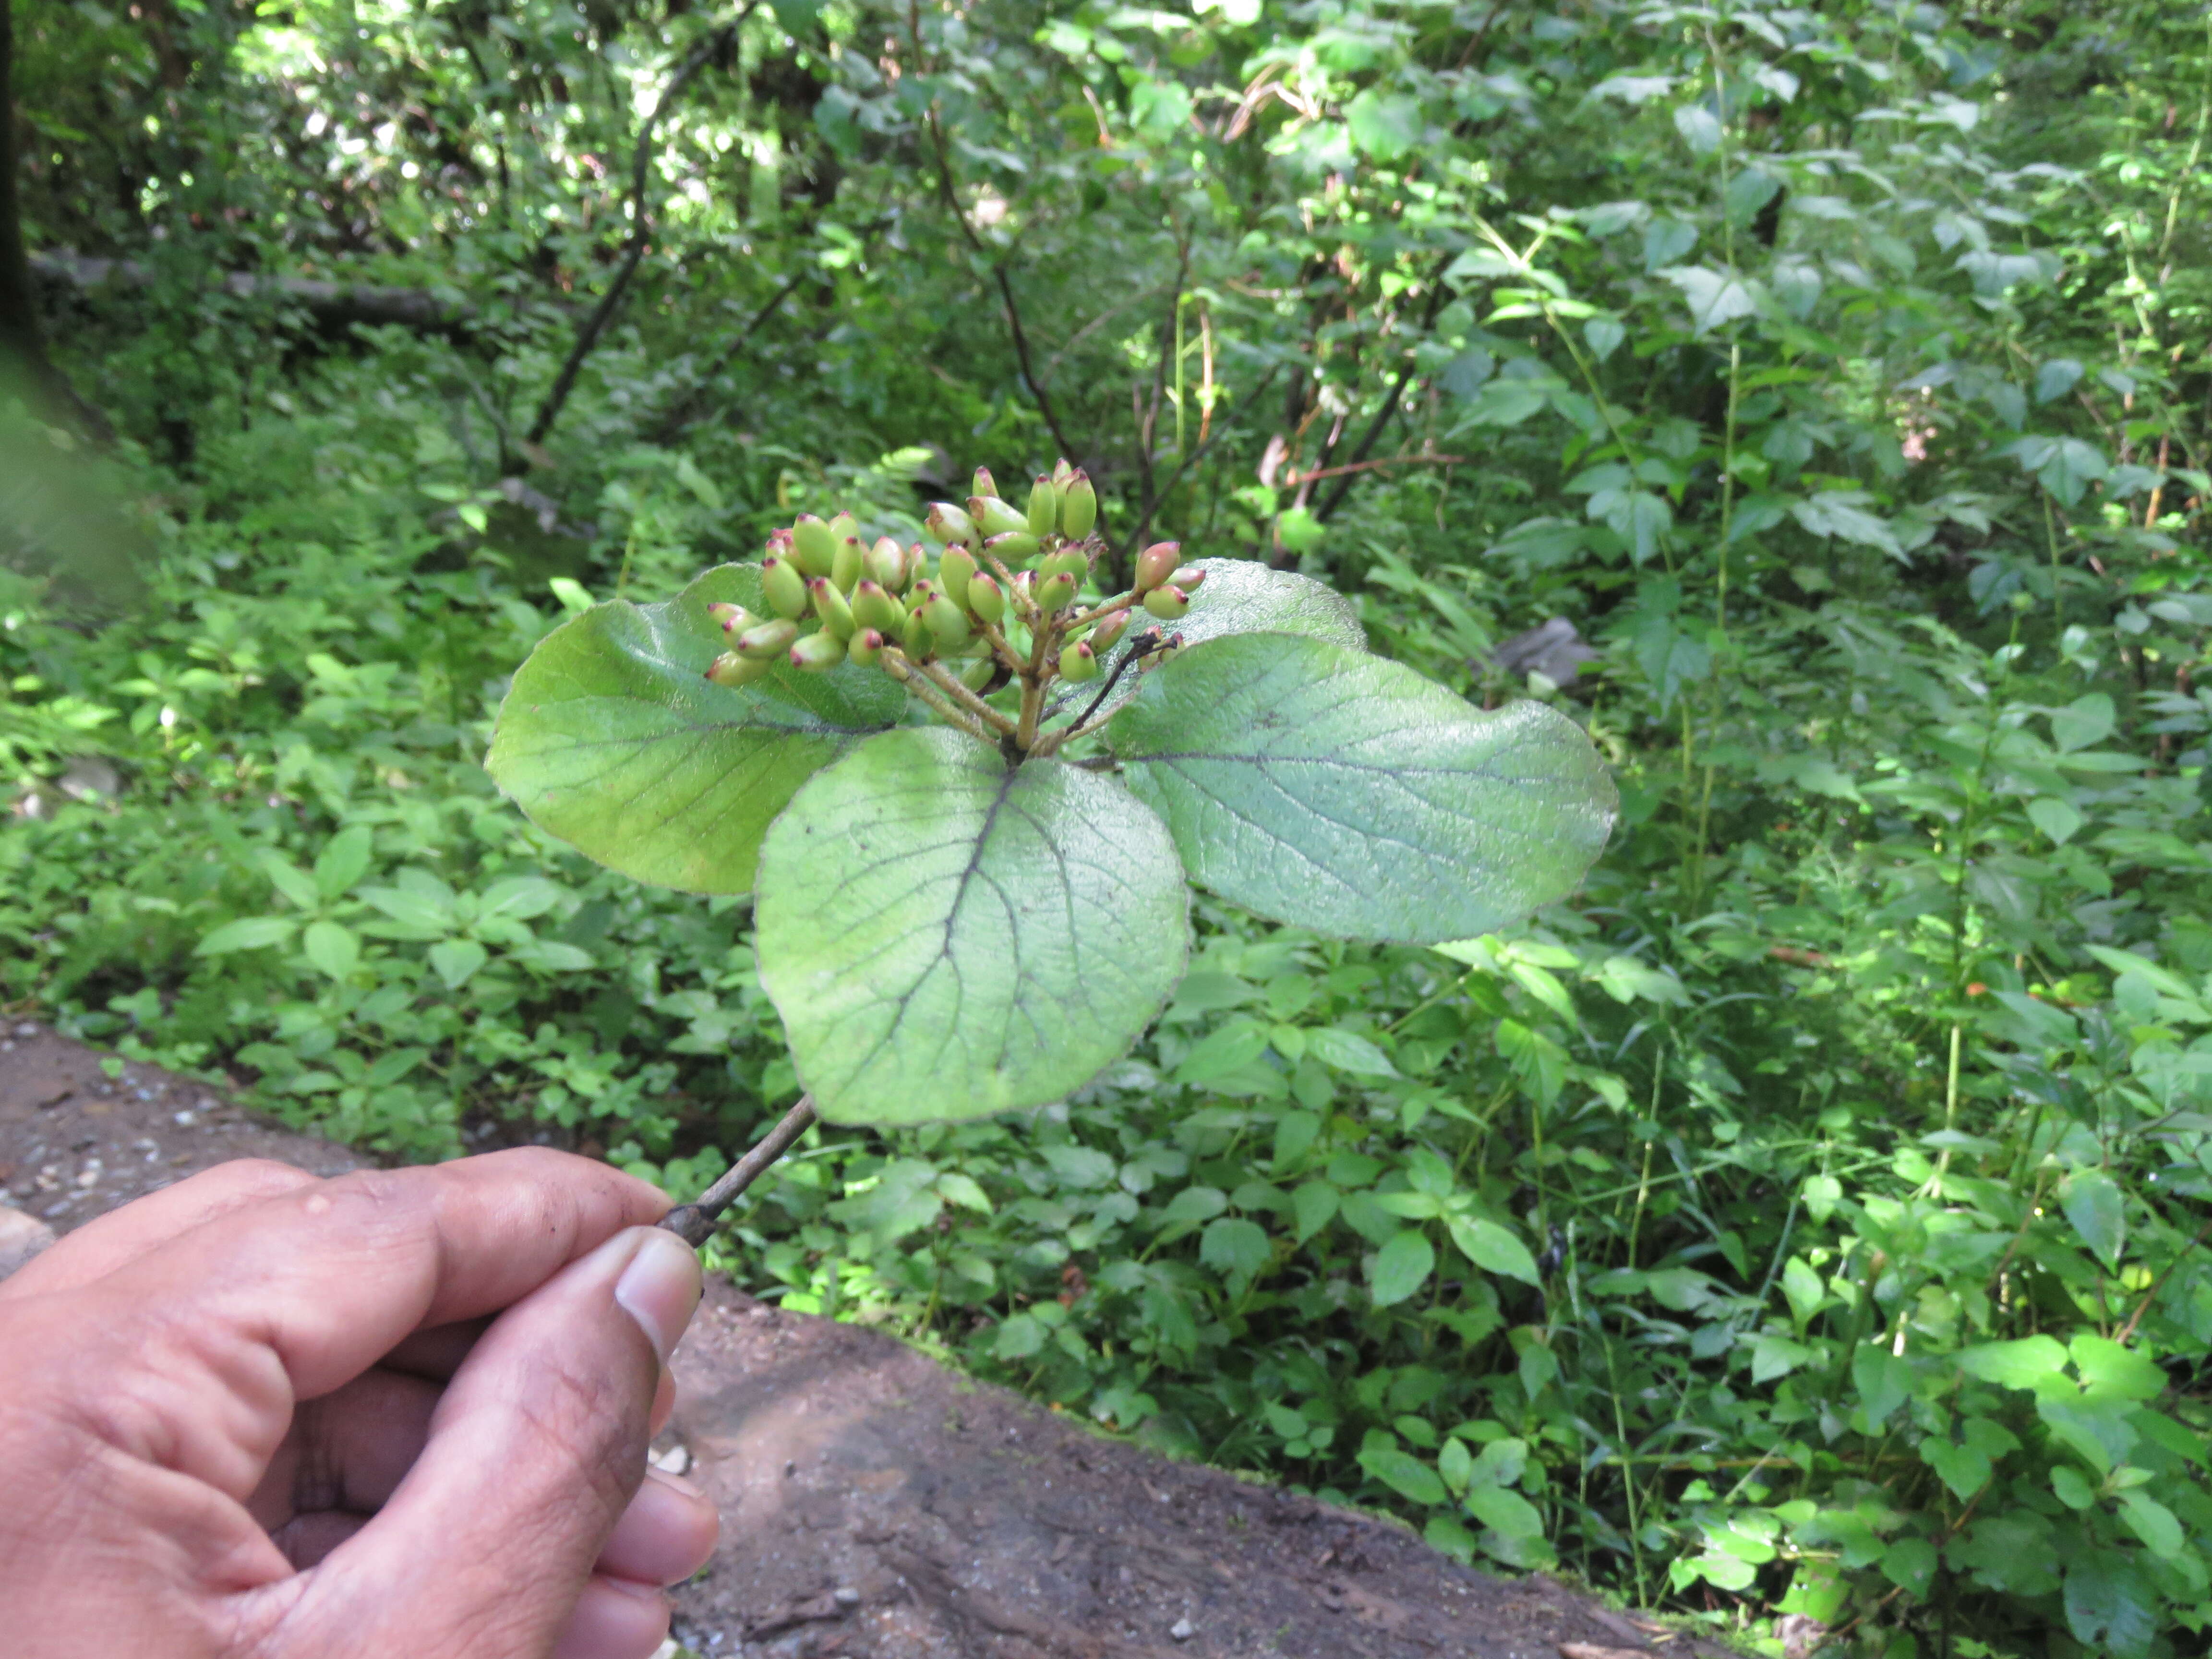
x: 694, y: 1223
x: 640, y: 228
x: 2158, y: 1285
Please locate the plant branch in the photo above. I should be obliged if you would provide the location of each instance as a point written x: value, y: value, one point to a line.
x: 1389, y: 412
x: 897, y: 664
x: 949, y: 684
x: 694, y: 1223
x: 1145, y: 523
x: 951, y: 199
x: 680, y: 413
x: 640, y: 226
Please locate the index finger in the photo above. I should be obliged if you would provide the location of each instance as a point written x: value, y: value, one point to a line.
x: 331, y: 1277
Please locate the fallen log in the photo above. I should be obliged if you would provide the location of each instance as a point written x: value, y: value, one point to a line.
x: 334, y: 306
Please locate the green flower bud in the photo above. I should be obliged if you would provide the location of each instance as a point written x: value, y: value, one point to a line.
x: 1062, y: 470
x: 1011, y: 548
x: 994, y: 517
x: 731, y: 669
x: 1025, y: 589
x: 1155, y: 565
x: 786, y: 587
x: 844, y: 525
x: 873, y: 608
x: 1078, y: 506
x: 845, y: 567
x: 948, y: 624
x: 1188, y: 578
x: 1109, y: 630
x: 1070, y: 560
x: 985, y: 485
x: 1079, y: 662
x: 813, y: 545
x: 1055, y: 592
x: 885, y: 565
x: 917, y: 563
x: 818, y: 653
x: 734, y: 618
x: 866, y: 648
x: 985, y: 599
x: 954, y: 572
x: 978, y: 674
x: 949, y: 523
x: 765, y: 641
x: 829, y: 605
x: 916, y: 639
x: 1044, y: 507
x: 1167, y: 602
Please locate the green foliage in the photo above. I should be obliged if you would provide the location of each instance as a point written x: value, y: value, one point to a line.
x: 1805, y: 1216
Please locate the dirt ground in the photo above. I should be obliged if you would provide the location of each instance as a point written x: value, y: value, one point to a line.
x: 875, y: 1505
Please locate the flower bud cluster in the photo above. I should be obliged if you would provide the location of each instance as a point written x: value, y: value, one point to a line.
x: 1001, y: 597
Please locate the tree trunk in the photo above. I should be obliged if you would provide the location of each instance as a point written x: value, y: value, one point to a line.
x: 22, y: 350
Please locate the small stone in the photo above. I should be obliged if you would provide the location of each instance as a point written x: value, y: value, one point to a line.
x: 846, y: 1596
x: 1182, y: 1630
x: 21, y: 1238
x: 27, y: 1031
x: 676, y: 1460
x: 183, y: 1120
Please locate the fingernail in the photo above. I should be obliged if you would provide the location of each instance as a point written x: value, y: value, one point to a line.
x: 660, y: 1288
x: 689, y: 1489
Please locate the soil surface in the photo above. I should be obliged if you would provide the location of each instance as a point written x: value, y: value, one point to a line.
x: 875, y: 1505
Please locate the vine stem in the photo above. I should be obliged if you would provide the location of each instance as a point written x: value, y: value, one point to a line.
x: 694, y: 1223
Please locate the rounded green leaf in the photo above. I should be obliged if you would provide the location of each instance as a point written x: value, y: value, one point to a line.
x: 1343, y: 793
x: 612, y: 739
x: 946, y: 936
x: 1243, y: 596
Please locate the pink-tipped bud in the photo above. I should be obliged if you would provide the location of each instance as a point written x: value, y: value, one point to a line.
x: 1156, y: 564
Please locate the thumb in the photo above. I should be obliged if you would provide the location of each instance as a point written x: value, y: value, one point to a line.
x: 534, y: 1451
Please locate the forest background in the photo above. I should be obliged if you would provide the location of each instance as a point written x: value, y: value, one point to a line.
x: 1807, y: 1218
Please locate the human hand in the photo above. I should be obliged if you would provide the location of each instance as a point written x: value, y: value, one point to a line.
x: 398, y: 1414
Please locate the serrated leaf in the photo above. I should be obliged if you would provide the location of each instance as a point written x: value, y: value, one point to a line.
x: 1334, y: 790
x: 2024, y: 1364
x: 2112, y: 1606
x: 1715, y: 297
x: 946, y: 936
x: 1347, y: 1051
x: 1312, y: 1207
x: 612, y: 739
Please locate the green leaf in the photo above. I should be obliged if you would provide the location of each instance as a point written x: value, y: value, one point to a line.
x: 1340, y: 791
x: 1401, y: 1267
x: 1506, y: 1511
x: 1404, y: 1473
x: 946, y: 936
x: 1233, y: 1246
x: 1884, y: 1381
x: 1313, y: 1206
x: 1715, y: 297
x: 1384, y: 125
x: 1347, y: 1051
x: 2106, y: 1367
x: 1244, y: 596
x: 612, y: 740
x: 1494, y: 1249
x: 333, y: 950
x: 457, y: 960
x: 2056, y: 819
x: 2026, y: 1364
x: 246, y: 934
x: 2112, y: 1606
x: 343, y: 859
x: 1966, y: 1463
x: 1192, y: 1205
x: 2092, y: 1202
x: 2152, y: 1523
